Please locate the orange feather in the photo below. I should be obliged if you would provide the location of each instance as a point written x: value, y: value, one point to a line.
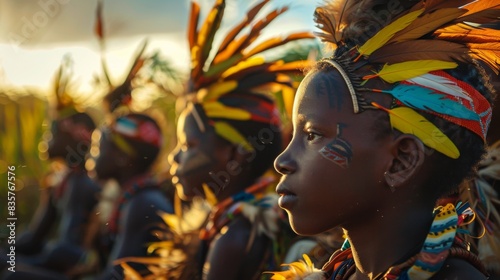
x: 193, y: 24
x: 466, y: 33
x: 275, y: 42
x: 231, y: 35
x: 427, y: 23
x: 481, y: 11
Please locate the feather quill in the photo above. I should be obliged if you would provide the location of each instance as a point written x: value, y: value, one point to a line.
x: 406, y: 70
x: 231, y: 35
x: 420, y: 50
x: 482, y: 11
x: 426, y: 23
x: 487, y: 52
x: 193, y: 24
x: 333, y: 17
x: 244, y: 41
x: 206, y: 36
x: 441, y: 84
x: 465, y: 33
x: 409, y: 121
x: 429, y: 100
x: 386, y: 33
x: 276, y: 42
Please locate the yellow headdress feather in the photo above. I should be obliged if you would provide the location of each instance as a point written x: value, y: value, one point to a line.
x: 430, y: 36
x: 236, y: 65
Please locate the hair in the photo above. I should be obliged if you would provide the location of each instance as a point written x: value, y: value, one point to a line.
x: 264, y: 157
x: 449, y: 173
x: 83, y: 118
x: 147, y: 153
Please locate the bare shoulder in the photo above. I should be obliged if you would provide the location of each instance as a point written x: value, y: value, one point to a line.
x: 458, y: 269
x: 148, y: 202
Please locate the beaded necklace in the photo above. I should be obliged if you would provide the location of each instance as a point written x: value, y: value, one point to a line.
x: 227, y: 209
x: 440, y: 244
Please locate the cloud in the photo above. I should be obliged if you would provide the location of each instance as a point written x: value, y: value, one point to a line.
x: 27, y: 23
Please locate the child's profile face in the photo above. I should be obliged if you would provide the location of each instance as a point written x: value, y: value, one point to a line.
x: 197, y: 158
x: 333, y: 167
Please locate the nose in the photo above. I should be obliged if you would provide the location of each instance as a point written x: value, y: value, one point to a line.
x: 284, y: 163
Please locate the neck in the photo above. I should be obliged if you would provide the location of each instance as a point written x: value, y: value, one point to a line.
x: 388, y: 237
x: 234, y: 186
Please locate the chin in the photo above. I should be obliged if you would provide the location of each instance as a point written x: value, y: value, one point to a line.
x: 302, y: 229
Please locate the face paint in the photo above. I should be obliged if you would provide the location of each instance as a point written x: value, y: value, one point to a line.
x: 339, y: 151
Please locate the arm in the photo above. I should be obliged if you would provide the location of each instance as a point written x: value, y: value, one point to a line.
x: 31, y: 241
x: 228, y: 258
x: 79, y: 201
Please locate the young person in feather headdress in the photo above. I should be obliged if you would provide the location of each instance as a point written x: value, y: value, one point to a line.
x: 68, y: 195
x: 383, y: 129
x: 228, y: 136
x: 127, y: 149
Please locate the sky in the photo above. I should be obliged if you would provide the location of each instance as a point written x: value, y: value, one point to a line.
x: 36, y: 34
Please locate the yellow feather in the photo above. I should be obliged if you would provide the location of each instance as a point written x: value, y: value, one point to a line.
x: 226, y: 131
x: 219, y: 110
x: 410, y: 69
x: 209, y: 195
x: 409, y: 121
x: 129, y: 272
x: 386, y: 33
x: 253, y: 61
x: 216, y: 90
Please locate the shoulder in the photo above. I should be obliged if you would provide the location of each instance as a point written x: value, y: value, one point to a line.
x: 237, y: 237
x: 145, y: 206
x: 150, y: 200
x: 82, y: 183
x: 456, y: 269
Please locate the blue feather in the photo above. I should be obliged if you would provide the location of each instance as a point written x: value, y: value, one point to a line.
x: 427, y: 99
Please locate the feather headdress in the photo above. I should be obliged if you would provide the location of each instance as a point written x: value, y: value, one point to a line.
x: 118, y: 95
x: 235, y: 66
x: 64, y: 104
x: 125, y: 127
x: 409, y: 50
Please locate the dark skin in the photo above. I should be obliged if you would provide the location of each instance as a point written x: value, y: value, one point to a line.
x: 139, y: 215
x: 198, y: 155
x: 313, y: 186
x: 70, y: 212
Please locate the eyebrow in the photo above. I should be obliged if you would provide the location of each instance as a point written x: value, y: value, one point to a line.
x: 302, y: 118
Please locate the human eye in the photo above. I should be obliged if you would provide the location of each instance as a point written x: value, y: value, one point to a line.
x: 311, y: 136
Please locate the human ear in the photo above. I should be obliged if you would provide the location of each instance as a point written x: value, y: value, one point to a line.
x: 408, y: 157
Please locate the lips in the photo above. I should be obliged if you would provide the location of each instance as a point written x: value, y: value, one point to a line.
x: 287, y: 198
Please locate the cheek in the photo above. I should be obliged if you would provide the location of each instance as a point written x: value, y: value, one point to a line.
x: 194, y: 162
x: 339, y: 151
